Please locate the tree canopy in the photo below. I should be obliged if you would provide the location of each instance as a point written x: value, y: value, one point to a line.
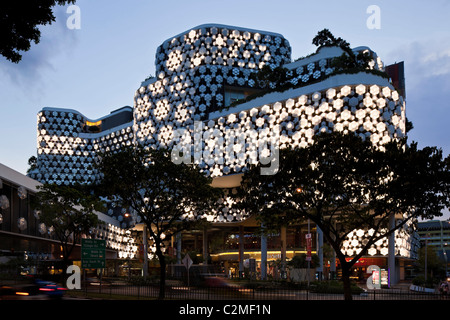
x: 343, y: 183
x: 19, y: 22
x: 348, y: 60
x: 168, y: 197
x: 69, y: 211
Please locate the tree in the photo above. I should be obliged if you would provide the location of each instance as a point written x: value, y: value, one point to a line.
x: 299, y: 261
x: 19, y: 23
x: 435, y: 266
x: 348, y: 60
x: 168, y: 197
x: 325, y: 38
x: 277, y: 77
x: 69, y: 211
x: 32, y: 162
x: 343, y: 183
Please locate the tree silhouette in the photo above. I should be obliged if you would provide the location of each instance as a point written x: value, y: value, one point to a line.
x: 69, y: 211
x: 19, y: 21
x: 343, y: 183
x: 348, y: 60
x: 168, y: 197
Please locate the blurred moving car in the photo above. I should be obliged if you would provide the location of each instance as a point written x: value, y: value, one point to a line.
x: 20, y: 292
x: 31, y: 288
x: 50, y: 289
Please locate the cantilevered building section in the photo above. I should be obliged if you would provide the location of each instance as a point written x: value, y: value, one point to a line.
x: 206, y: 102
x: 204, y: 73
x: 67, y: 143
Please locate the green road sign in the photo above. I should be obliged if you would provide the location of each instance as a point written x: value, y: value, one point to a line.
x: 93, y: 253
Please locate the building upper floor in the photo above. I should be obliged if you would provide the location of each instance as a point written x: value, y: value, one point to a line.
x: 22, y: 229
x: 206, y: 101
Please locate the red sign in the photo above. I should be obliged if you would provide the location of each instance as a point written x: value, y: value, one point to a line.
x: 365, y: 262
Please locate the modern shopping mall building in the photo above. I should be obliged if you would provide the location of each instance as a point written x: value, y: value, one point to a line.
x: 205, y: 101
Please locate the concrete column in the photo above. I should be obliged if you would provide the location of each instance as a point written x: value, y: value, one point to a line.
x: 333, y: 265
x: 333, y: 261
x: 319, y: 246
x: 241, y: 251
x: 391, y: 252
x: 179, y: 248
x: 205, y: 245
x: 263, y: 255
x: 145, y: 258
x: 283, y: 252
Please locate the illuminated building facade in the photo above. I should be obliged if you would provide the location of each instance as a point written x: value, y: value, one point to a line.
x: 24, y: 235
x: 436, y: 234
x: 206, y: 102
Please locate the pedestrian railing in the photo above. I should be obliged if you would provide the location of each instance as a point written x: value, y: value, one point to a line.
x: 139, y: 292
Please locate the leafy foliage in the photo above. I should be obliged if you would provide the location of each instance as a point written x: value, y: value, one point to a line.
x: 69, y: 210
x: 32, y: 162
x: 165, y: 195
x: 19, y: 23
x: 435, y: 265
x: 326, y: 38
x: 343, y: 183
x: 277, y: 76
x: 168, y: 197
x: 299, y: 261
x: 333, y: 287
x: 348, y: 60
x: 278, y: 79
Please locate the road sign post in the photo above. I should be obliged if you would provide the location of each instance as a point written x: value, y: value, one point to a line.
x: 187, y: 262
x: 308, y: 237
x: 93, y: 253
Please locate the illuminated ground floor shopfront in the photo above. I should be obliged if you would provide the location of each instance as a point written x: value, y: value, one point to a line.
x: 330, y: 269
x: 221, y: 249
x: 236, y: 248
x: 233, y: 249
x: 239, y: 250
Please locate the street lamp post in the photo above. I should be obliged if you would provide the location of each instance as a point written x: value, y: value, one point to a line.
x: 446, y: 260
x: 308, y: 257
x: 426, y: 257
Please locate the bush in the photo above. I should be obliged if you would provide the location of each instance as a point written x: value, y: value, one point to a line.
x: 140, y: 280
x: 333, y: 287
x: 420, y: 281
x: 299, y: 261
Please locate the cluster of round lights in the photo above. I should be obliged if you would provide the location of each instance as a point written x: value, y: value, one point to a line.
x: 231, y: 142
x: 222, y: 46
x: 22, y: 193
x: 406, y: 242
x: 66, y: 154
x: 116, y: 238
x: 193, y: 71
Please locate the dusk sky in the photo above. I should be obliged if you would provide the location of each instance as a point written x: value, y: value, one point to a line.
x: 97, y: 68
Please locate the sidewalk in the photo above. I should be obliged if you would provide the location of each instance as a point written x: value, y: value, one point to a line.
x: 402, y: 285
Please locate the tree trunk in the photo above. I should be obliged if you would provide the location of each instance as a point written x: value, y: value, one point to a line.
x: 346, y: 282
x: 66, y: 252
x: 162, y: 280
